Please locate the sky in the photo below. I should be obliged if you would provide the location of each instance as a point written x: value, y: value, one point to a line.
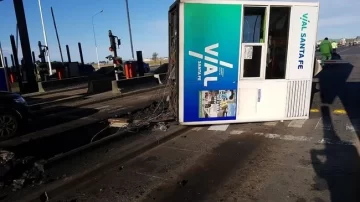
x: 148, y: 22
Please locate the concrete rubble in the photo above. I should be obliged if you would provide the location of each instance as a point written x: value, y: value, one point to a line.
x: 19, y: 172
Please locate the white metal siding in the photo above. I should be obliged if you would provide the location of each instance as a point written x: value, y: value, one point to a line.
x: 297, y: 98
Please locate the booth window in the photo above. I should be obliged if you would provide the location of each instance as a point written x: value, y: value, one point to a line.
x: 252, y: 61
x: 254, y: 25
x: 278, y: 39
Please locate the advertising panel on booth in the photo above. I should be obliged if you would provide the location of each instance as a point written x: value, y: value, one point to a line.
x: 211, y: 61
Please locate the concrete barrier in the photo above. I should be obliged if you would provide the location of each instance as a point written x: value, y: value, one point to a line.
x: 99, y: 86
x: 45, y: 86
x: 125, y: 85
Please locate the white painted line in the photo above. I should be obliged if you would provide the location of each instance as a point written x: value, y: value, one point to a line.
x: 236, y: 132
x: 219, y: 127
x: 296, y: 138
x: 317, y: 125
x: 284, y: 137
x: 89, y: 118
x: 102, y: 107
x: 296, y: 123
x: 333, y: 142
x: 323, y: 126
x: 273, y: 136
x: 273, y: 123
x: 197, y: 129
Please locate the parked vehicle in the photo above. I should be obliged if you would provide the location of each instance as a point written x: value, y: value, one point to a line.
x: 14, y: 114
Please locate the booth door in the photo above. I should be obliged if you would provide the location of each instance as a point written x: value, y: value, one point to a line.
x: 262, y: 84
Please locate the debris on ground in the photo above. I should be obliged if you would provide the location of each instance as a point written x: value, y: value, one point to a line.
x: 18, y: 184
x: 161, y: 126
x: 19, y: 172
x: 6, y: 156
x: 183, y: 182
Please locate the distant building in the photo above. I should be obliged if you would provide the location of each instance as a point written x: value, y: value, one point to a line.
x: 342, y: 41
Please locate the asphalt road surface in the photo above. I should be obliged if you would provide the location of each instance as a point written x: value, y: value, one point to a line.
x: 313, y: 160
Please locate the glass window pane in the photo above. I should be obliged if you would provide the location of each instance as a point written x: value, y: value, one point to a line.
x: 253, y: 26
x: 252, y: 61
x: 278, y: 39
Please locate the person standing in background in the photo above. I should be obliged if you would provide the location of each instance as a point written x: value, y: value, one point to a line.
x: 325, y: 50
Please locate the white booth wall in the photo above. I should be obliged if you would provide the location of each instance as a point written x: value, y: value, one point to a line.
x: 222, y: 51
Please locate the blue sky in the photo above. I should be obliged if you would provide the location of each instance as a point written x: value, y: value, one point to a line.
x: 149, y: 24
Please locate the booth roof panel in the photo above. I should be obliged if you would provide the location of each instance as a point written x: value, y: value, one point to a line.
x: 271, y: 3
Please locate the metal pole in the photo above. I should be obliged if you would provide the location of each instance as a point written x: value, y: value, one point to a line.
x: 16, y: 63
x: 129, y: 24
x: 45, y: 39
x: 57, y: 35
x: 68, y: 53
x: 81, y: 54
x: 96, y: 49
x: 31, y: 85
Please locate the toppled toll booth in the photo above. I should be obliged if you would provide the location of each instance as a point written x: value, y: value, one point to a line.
x: 242, y: 61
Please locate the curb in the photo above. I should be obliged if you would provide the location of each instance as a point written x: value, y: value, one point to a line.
x: 56, y: 188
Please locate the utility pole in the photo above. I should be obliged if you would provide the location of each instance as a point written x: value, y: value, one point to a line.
x: 129, y: 24
x: 57, y: 35
x: 25, y: 46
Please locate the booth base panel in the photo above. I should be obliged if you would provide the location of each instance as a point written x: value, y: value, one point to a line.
x: 240, y: 121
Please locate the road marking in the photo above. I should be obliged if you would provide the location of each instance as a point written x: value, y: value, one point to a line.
x: 151, y: 176
x: 353, y: 126
x: 335, y: 111
x: 236, y: 132
x: 341, y: 51
x: 197, y: 129
x: 102, y: 107
x: 219, y: 127
x: 339, y: 111
x: 89, y: 118
x: 273, y: 123
x: 284, y: 137
x: 296, y: 123
x: 323, y: 126
x: 334, y: 142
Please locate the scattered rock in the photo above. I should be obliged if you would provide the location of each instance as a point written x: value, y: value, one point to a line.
x: 6, y: 156
x: 18, y: 184
x: 183, y: 182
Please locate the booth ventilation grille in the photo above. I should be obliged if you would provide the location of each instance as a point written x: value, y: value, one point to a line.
x: 297, y: 96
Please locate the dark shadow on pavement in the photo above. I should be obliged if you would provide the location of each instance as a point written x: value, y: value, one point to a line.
x: 42, y: 121
x: 333, y: 83
x: 210, y: 171
x: 337, y: 165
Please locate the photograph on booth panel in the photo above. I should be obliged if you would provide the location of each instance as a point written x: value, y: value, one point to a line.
x: 217, y: 103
